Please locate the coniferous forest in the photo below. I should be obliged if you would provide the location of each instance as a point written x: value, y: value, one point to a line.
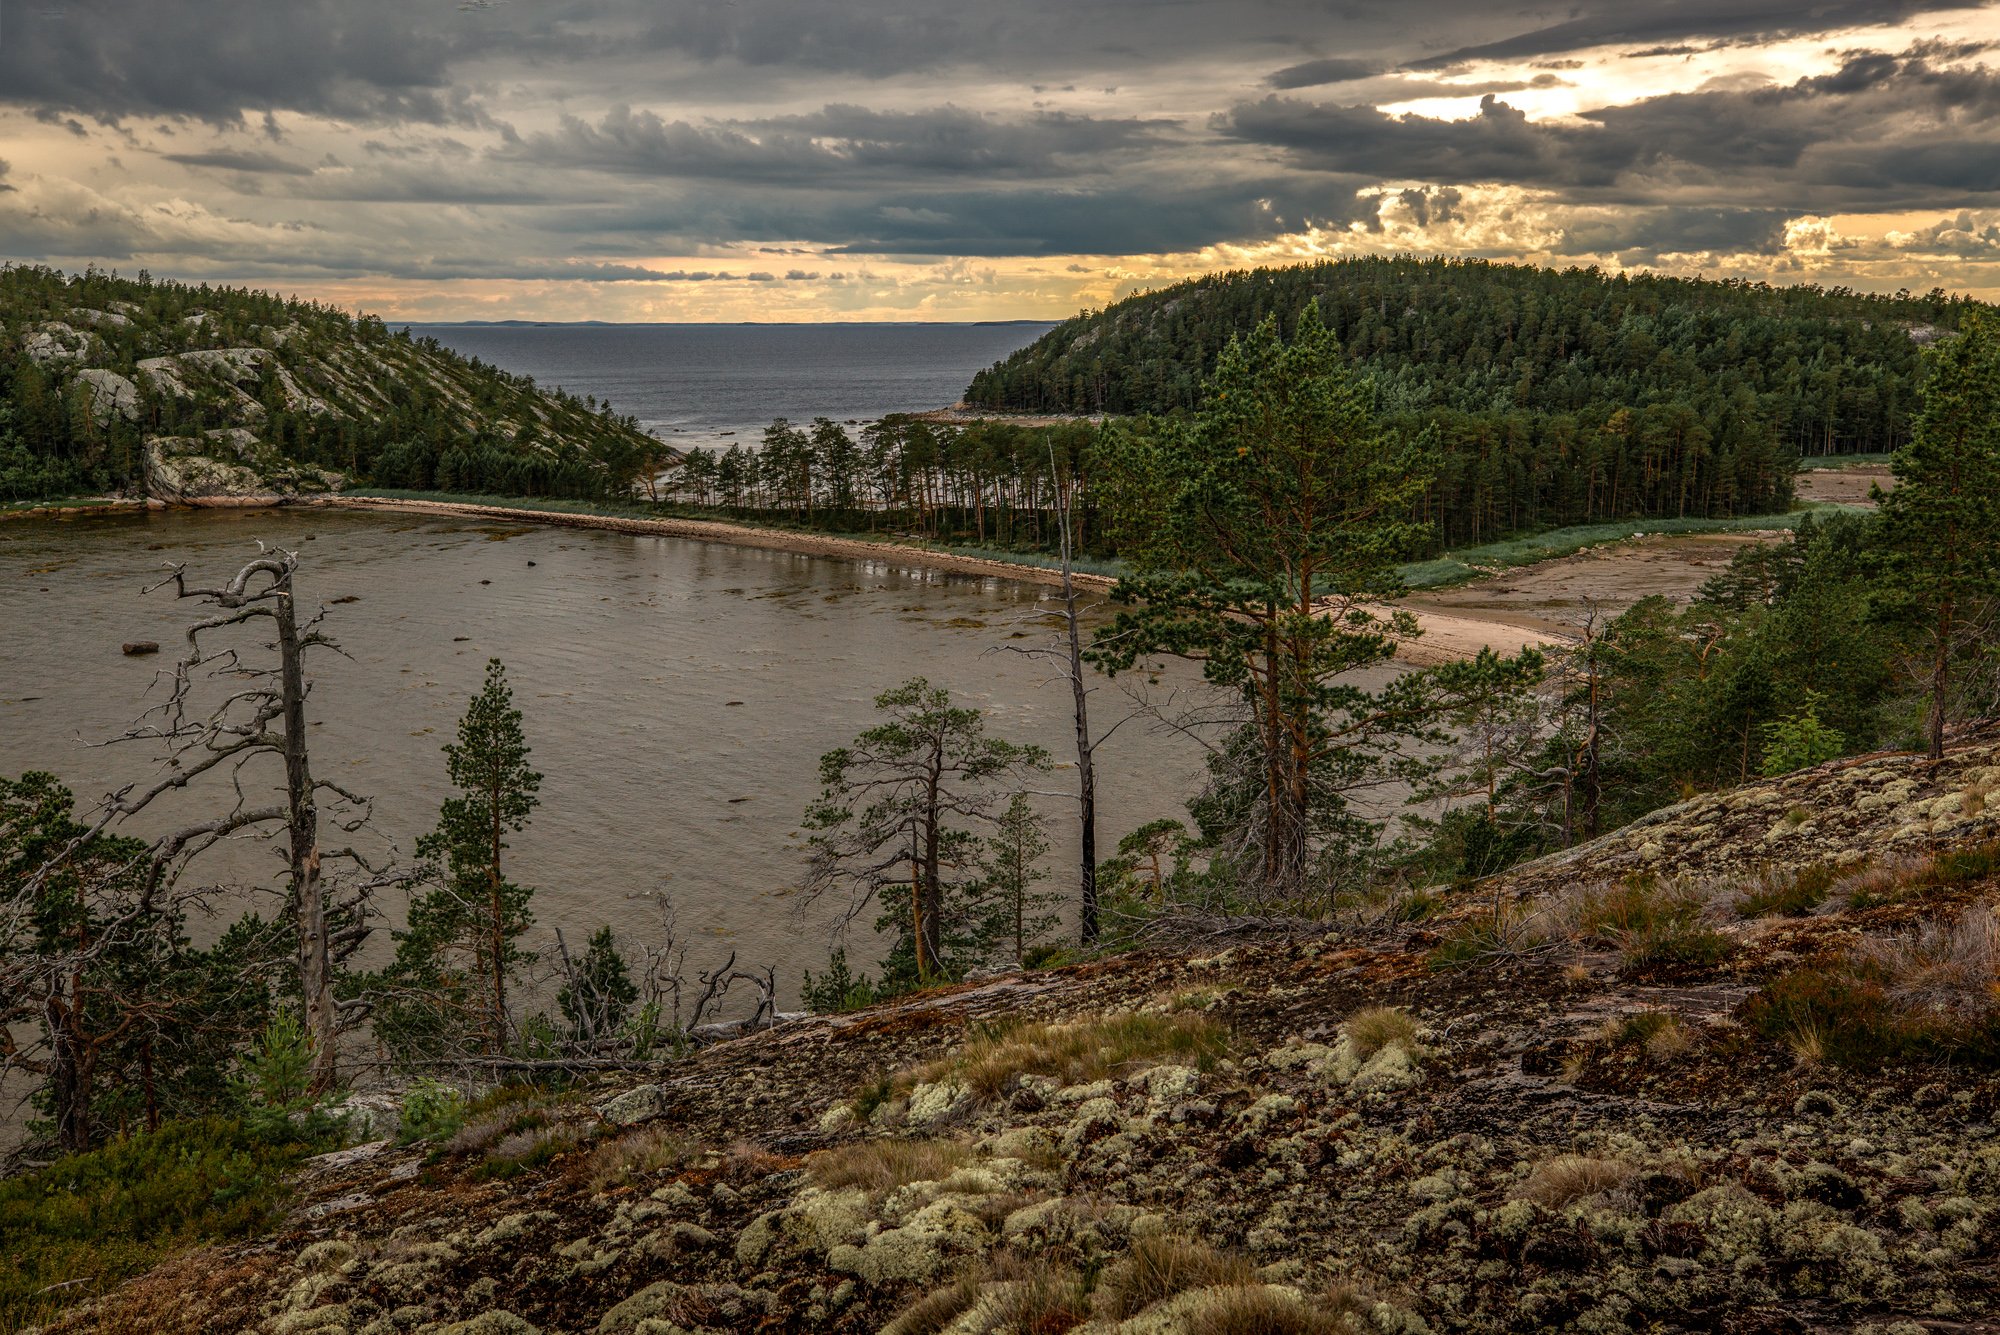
x: 1555, y: 396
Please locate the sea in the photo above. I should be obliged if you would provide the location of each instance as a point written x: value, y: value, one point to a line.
x: 715, y: 384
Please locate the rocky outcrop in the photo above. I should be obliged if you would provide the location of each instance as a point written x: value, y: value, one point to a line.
x: 1846, y: 811
x: 112, y: 396
x: 227, y: 466
x: 54, y: 342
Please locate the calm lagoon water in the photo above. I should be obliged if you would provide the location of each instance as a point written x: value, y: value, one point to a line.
x: 678, y: 694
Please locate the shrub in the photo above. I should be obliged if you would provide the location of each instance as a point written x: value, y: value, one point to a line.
x: 525, y: 1150
x: 937, y: 1309
x: 1963, y: 866
x: 1801, y: 740
x: 994, y: 1058
x: 90, y: 1221
x: 1652, y: 924
x: 431, y: 1111
x: 1948, y: 968
x: 1037, y: 1297
x: 839, y: 989
x: 1158, y: 1267
x: 1840, y: 1014
x: 1503, y: 931
x: 1026, y: 1297
x: 1660, y: 1033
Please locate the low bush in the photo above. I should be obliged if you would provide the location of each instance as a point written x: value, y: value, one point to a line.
x: 431, y: 1111
x: 89, y: 1221
x: 1924, y: 997
x: 1262, y: 1310
x: 1652, y: 923
x: 525, y: 1150
x: 1660, y: 1033
x: 1964, y: 866
x: 1023, y: 1297
x: 640, y: 1154
x: 1505, y: 931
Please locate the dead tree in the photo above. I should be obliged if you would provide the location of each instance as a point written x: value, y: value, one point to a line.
x: 1065, y: 654
x: 262, y: 713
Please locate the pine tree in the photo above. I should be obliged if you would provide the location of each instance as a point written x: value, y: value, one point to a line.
x: 1942, y: 521
x: 1014, y: 915
x: 601, y: 991
x: 895, y: 814
x: 453, y: 962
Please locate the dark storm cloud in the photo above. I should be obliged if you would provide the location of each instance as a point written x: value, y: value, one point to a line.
x: 378, y: 59
x: 1881, y: 123
x: 836, y: 141
x: 1141, y: 217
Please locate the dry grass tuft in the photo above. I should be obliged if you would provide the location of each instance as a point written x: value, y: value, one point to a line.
x: 1378, y: 1027
x: 642, y: 1153
x: 880, y: 1166
x: 1948, y: 968
x: 1024, y: 1297
x: 1037, y: 1297
x: 1568, y: 1178
x: 993, y: 1059
x: 937, y: 1309
x: 1261, y: 1310
x: 1159, y: 1267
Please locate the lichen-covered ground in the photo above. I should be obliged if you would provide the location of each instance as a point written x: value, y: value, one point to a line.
x: 1556, y: 1137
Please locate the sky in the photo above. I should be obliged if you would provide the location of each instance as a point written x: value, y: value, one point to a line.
x: 693, y: 160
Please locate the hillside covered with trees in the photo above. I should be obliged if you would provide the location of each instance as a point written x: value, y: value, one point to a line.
x: 141, y: 385
x: 1556, y: 397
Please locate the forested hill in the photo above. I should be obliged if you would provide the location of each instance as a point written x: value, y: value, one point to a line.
x: 187, y: 393
x: 1523, y: 370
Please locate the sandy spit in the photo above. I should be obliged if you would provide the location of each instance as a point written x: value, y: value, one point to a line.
x: 1445, y: 637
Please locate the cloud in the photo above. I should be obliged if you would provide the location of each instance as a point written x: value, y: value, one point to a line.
x: 1881, y: 125
x: 843, y: 144
x: 572, y: 145
x: 260, y: 163
x: 109, y: 59
x: 1672, y: 22
x: 1314, y: 73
